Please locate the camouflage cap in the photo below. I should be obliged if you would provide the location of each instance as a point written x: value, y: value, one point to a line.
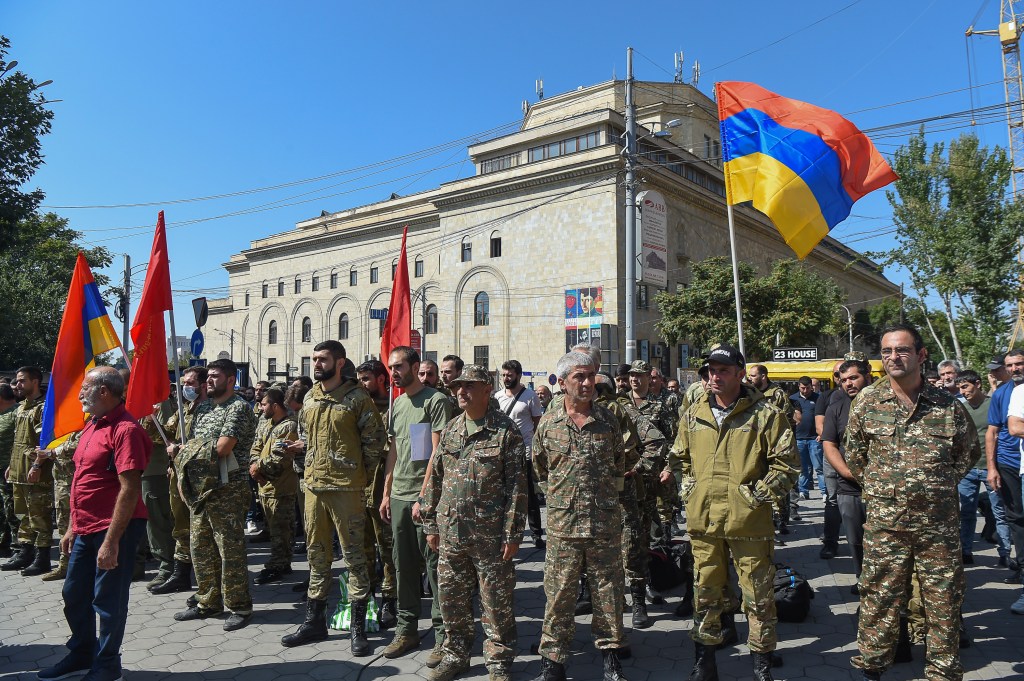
x: 856, y: 356
x: 472, y: 373
x: 639, y: 367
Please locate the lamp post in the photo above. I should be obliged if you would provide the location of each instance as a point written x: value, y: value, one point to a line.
x: 231, y: 341
x: 849, y: 323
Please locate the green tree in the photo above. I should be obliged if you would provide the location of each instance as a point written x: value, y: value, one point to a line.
x: 934, y: 327
x: 23, y: 121
x: 792, y: 304
x: 35, y: 272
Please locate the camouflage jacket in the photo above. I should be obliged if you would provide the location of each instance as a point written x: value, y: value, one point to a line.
x: 476, y: 489
x: 581, y: 470
x: 272, y: 462
x: 672, y: 402
x: 646, y: 454
x: 777, y: 396
x: 172, y: 427
x: 28, y: 425
x: 345, y: 437
x: 198, y: 471
x: 658, y: 414
x: 730, y: 474
x: 7, y: 421
x: 909, y: 462
x: 233, y: 418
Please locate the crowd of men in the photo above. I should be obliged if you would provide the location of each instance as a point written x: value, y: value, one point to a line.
x: 439, y: 484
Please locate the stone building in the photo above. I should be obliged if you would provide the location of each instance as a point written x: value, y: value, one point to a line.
x: 495, y: 258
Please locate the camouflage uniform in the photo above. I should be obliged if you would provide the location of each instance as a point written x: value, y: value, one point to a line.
x: 33, y: 502
x: 278, y: 492
x: 63, y: 472
x: 729, y: 474
x: 217, y: 527
x: 581, y: 470
x: 156, y: 494
x: 908, y: 463
x: 179, y: 509
x: 476, y: 503
x: 8, y: 520
x: 777, y: 396
x: 654, y: 506
x: 345, y: 442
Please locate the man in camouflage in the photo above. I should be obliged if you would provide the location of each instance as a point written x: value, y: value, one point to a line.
x: 650, y: 405
x: 909, y: 444
x: 63, y: 473
x: 734, y: 455
x: 270, y: 465
x: 156, y: 494
x: 344, y: 442
x: 580, y: 463
x: 217, y: 527
x: 774, y: 393
x: 474, y: 517
x: 8, y: 520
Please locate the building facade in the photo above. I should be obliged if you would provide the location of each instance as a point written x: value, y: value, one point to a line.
x: 522, y: 258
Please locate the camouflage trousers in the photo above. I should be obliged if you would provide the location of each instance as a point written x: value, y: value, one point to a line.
x: 377, y: 535
x: 8, y: 519
x: 218, y: 549
x: 156, y: 495
x: 342, y: 511
x: 931, y: 550
x: 634, y: 541
x: 565, y: 561
x: 62, y: 504
x: 460, y: 570
x: 755, y: 568
x: 33, y: 505
x: 182, y: 523
x: 279, y: 513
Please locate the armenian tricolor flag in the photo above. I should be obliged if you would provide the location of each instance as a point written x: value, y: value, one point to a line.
x: 799, y: 164
x: 85, y: 333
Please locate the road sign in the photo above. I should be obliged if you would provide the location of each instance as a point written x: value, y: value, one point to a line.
x: 795, y: 354
x: 416, y: 340
x: 197, y: 343
x: 196, y: 362
x: 202, y: 311
x: 382, y: 313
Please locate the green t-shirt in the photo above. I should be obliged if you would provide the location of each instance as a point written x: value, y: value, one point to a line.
x: 473, y: 425
x: 413, y: 419
x: 980, y: 417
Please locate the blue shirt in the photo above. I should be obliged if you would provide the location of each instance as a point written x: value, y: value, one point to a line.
x: 1007, y: 446
x: 805, y: 430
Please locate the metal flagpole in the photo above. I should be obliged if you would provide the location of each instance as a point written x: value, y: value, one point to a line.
x: 736, y: 280
x: 177, y: 380
x: 159, y: 427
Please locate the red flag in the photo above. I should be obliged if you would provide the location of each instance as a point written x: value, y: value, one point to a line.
x: 148, y: 385
x: 398, y: 327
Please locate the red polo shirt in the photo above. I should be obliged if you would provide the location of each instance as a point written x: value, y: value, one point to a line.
x: 110, y: 444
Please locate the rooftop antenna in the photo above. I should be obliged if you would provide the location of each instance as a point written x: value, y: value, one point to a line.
x: 539, y: 86
x: 696, y: 73
x: 678, y: 59
x: 526, y: 107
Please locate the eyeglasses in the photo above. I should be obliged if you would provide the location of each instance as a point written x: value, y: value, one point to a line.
x: 902, y: 351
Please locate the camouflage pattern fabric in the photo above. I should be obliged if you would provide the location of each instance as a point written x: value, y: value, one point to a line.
x: 218, y: 549
x: 908, y: 461
x: 277, y: 495
x: 33, y: 502
x: 325, y: 513
x: 279, y: 512
x: 378, y: 539
x: 33, y: 506
x: 8, y: 419
x: 63, y: 472
x: 232, y: 418
x: 655, y: 509
x: 182, y: 519
x: 8, y: 518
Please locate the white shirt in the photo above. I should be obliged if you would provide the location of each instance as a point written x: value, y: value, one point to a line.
x: 526, y: 408
x: 1016, y: 408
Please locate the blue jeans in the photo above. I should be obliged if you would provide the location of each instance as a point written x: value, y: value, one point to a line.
x: 89, y: 591
x: 968, y: 489
x: 811, y: 457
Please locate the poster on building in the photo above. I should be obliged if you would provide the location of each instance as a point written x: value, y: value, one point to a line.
x: 652, y: 216
x: 584, y: 313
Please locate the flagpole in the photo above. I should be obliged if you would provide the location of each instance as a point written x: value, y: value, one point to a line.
x: 177, y: 380
x: 736, y: 279
x: 156, y: 421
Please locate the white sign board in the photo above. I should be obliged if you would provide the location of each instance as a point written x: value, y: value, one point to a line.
x: 652, y: 216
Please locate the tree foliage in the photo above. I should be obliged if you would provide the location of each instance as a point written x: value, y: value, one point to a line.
x: 792, y: 304
x: 35, y: 272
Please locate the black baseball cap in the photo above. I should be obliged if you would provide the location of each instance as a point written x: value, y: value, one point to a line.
x: 727, y: 354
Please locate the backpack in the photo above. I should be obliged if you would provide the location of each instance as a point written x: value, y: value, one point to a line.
x: 792, y: 594
x: 671, y: 565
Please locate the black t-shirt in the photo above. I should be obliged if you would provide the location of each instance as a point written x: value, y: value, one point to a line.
x: 826, y: 399
x: 805, y: 430
x: 834, y: 430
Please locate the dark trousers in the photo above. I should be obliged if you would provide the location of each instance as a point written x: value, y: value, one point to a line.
x: 89, y: 591
x: 532, y: 503
x: 1010, y: 493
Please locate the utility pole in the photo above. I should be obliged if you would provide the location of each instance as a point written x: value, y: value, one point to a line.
x: 126, y: 339
x: 630, y: 211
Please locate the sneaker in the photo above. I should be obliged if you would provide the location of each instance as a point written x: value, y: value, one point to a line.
x: 805, y: 495
x: 436, y: 655
x: 400, y: 645
x: 448, y: 668
x: 236, y: 621
x: 104, y: 675
x: 66, y: 668
x: 251, y: 528
x: 1018, y: 607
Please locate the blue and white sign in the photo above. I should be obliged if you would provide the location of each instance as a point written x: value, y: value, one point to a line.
x: 381, y: 313
x: 197, y: 343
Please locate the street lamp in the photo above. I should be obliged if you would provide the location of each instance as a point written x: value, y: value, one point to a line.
x: 849, y: 321
x: 664, y: 132
x: 231, y: 340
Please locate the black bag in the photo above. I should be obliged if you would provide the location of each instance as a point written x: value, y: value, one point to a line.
x: 670, y: 565
x: 792, y: 594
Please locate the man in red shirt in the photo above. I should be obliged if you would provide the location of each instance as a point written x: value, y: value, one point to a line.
x: 108, y: 519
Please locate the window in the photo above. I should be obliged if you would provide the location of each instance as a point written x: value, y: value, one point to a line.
x: 298, y: 286
x: 280, y: 288
x: 418, y: 267
x: 315, y: 283
x: 271, y: 367
x: 495, y: 245
x: 334, y: 280
x: 266, y: 290
x: 307, y: 330
x: 373, y: 274
x: 481, y: 355
x: 247, y: 299
x: 430, y: 324
x: 272, y: 334
x: 353, y: 277
x: 394, y: 268
x: 305, y: 366
x: 343, y: 327
x: 642, y: 301
x: 493, y: 165
x: 707, y: 147
x: 467, y: 250
x: 380, y: 328
x: 562, y: 147
x: 481, y: 310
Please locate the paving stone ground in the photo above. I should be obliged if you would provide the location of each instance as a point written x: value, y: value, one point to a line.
x: 33, y: 630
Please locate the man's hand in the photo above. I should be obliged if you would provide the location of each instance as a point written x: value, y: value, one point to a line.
x: 434, y: 542
x: 106, y: 559
x: 173, y: 449
x: 295, y: 447
x: 66, y: 542
x: 508, y: 551
x: 665, y: 477
x: 385, y: 509
x: 34, y: 474
x: 7, y: 475
x: 417, y: 513
x: 994, y: 480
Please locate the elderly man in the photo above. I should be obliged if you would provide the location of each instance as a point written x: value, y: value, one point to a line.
x: 108, y: 519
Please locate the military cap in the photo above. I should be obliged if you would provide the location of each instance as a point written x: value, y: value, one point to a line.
x: 855, y: 356
x: 727, y: 354
x: 639, y: 367
x: 996, y: 363
x: 472, y: 373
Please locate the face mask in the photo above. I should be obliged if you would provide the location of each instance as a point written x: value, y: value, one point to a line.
x: 189, y: 393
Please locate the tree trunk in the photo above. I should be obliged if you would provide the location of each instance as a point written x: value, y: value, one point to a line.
x: 935, y: 336
x: 952, y: 329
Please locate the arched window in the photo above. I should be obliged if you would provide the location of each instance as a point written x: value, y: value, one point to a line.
x: 495, y: 244
x: 247, y: 299
x: 418, y: 266
x: 343, y: 327
x: 481, y: 310
x: 266, y: 289
x: 467, y: 249
x: 353, y: 277
x: 394, y: 268
x: 307, y: 330
x: 272, y: 333
x: 431, y: 321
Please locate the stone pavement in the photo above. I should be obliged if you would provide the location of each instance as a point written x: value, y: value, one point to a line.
x: 33, y: 630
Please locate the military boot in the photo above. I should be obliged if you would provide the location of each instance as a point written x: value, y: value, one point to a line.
x: 729, y: 635
x: 762, y: 666
x: 903, y: 645
x: 705, y: 668
x: 314, y: 628
x: 41, y: 565
x: 612, y: 668
x: 640, y: 618
x: 180, y: 579
x: 22, y: 559
x: 5, y: 545
x: 871, y: 675
x: 584, y: 606
x: 360, y: 646
x: 387, y: 616
x: 550, y: 670
x: 59, y: 572
x: 666, y: 533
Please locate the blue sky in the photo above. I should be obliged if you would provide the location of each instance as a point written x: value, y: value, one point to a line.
x: 163, y: 102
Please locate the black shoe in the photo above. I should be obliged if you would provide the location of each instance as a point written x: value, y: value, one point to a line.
x: 654, y: 596
x: 903, y: 644
x: 584, y: 606
x: 191, y: 601
x: 236, y: 621
x: 762, y: 666
x: 550, y: 670
x: 612, y: 668
x: 268, y: 576
x: 40, y: 565
x: 195, y: 613
x: 360, y: 646
x: 540, y: 543
x: 783, y: 529
x: 6, y: 549
x: 180, y: 579
x: 387, y: 616
x: 1002, y: 562
x: 313, y: 629
x: 705, y: 667
x: 855, y: 590
x: 968, y: 558
x: 965, y: 639
x: 685, y: 608
x: 729, y: 635
x: 22, y: 559
x: 640, y: 617
x: 1013, y: 578
x: 67, y: 667
x: 871, y: 675
x: 828, y: 551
